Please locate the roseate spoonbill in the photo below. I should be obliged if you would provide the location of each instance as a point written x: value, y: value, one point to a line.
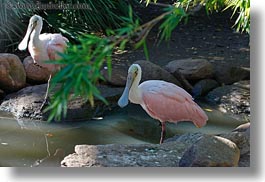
x: 162, y: 100
x: 43, y: 47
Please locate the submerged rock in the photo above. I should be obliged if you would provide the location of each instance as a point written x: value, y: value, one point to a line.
x: 211, y: 151
x: 26, y: 103
x: 12, y: 73
x: 192, y: 69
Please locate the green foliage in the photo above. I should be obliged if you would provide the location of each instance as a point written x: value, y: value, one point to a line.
x: 172, y: 20
x: 12, y: 29
x: 80, y: 73
x: 242, y: 7
x: 82, y: 63
x: 96, y: 16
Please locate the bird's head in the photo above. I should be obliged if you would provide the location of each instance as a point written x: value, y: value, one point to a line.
x: 134, y: 75
x: 35, y: 21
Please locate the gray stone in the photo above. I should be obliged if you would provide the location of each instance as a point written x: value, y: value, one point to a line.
x: 211, y: 151
x: 118, y: 74
x: 12, y: 73
x: 187, y: 138
x: 241, y: 137
x: 192, y: 69
x: 151, y: 71
x: 2, y: 94
x: 228, y: 74
x: 232, y: 100
x: 202, y: 87
x: 133, y: 155
x: 26, y: 103
x: 34, y: 72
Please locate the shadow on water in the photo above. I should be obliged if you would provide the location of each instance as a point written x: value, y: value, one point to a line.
x: 35, y: 143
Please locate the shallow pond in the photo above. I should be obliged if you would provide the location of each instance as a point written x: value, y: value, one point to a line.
x: 34, y: 143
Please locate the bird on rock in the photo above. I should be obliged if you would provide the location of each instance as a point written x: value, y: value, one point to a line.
x: 43, y: 47
x: 162, y: 100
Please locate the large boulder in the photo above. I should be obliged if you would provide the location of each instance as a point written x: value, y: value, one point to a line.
x: 150, y: 71
x: 12, y: 73
x: 26, y: 103
x: 191, y: 69
x: 211, y: 151
x: 34, y: 72
x: 186, y: 150
x: 133, y: 155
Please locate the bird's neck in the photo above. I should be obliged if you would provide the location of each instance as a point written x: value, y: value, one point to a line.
x: 135, y: 92
x: 34, y: 37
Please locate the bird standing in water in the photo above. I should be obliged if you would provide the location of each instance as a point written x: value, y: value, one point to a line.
x: 43, y: 47
x: 162, y: 100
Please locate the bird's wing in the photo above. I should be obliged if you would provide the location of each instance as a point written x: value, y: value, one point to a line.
x: 55, y: 43
x: 167, y: 102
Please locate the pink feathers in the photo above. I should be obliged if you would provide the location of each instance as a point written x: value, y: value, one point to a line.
x: 167, y: 102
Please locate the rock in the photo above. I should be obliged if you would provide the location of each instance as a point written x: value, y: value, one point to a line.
x: 151, y: 71
x: 243, y: 127
x: 232, y: 100
x: 118, y: 74
x: 12, y: 73
x: 211, y: 151
x: 243, y: 84
x: 133, y: 155
x: 240, y: 137
x: 187, y: 138
x: 228, y: 74
x: 244, y: 160
x: 192, y: 69
x: 26, y: 103
x: 202, y: 87
x: 2, y: 94
x: 34, y: 72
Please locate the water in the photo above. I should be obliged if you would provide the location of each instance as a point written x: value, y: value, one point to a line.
x: 34, y: 143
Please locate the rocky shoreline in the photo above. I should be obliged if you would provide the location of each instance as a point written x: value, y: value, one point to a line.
x: 188, y: 150
x: 198, y: 76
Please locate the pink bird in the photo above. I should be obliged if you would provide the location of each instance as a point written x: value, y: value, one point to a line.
x: 43, y: 47
x: 162, y: 100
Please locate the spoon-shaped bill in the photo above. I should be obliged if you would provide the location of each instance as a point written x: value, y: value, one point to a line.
x: 24, y: 43
x: 124, y: 99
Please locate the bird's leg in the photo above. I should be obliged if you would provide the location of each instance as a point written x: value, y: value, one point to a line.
x: 163, y: 132
x: 45, y: 102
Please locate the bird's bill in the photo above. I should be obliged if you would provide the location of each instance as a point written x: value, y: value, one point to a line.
x: 124, y: 99
x: 24, y: 43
